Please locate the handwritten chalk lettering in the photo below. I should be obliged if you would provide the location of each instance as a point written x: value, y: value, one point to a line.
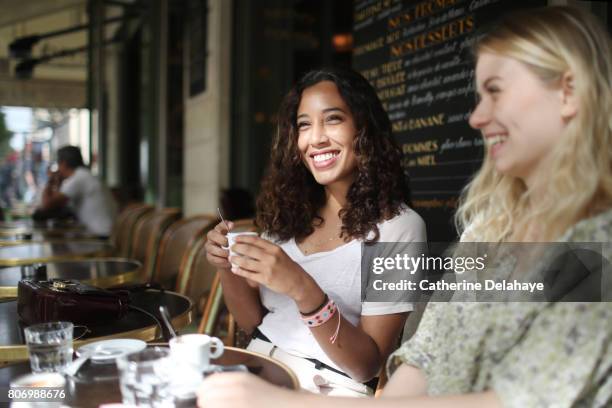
x: 455, y: 62
x: 439, y: 35
x: 445, y: 95
x: 400, y: 20
x: 469, y: 41
x: 393, y: 37
x: 476, y: 4
x: 427, y: 160
x: 369, y: 46
x: 417, y: 73
x: 446, y: 49
x: 408, y: 162
x: 420, y: 11
x: 391, y: 67
x: 430, y: 7
x: 394, y: 106
x: 455, y: 144
x: 389, y: 11
x: 388, y: 93
x: 423, y: 99
x: 363, y: 24
x: 361, y: 4
x: 417, y: 59
x: 368, y: 12
x: 444, y: 17
x: 370, y: 73
x: 459, y: 117
x: 375, y: 9
x: 465, y: 74
x: 427, y: 146
x: 400, y: 114
x: 425, y: 84
x: 412, y: 30
x: 389, y: 80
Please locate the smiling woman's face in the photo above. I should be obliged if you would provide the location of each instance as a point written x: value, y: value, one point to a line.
x: 326, y: 131
x: 520, y: 117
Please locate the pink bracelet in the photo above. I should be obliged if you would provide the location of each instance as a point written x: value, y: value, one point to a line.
x: 323, y: 316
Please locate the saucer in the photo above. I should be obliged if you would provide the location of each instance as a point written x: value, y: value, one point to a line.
x: 109, y: 350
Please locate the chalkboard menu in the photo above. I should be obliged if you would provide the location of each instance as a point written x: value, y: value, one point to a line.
x: 417, y: 56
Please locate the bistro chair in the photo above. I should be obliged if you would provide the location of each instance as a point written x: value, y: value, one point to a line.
x: 123, y: 231
x: 147, y: 236
x: 217, y: 320
x: 175, y: 247
x: 195, y: 273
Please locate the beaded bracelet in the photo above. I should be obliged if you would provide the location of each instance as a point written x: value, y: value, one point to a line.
x: 318, y: 308
x: 324, y: 315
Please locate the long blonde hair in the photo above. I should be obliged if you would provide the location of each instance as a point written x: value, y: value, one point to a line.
x: 551, y: 42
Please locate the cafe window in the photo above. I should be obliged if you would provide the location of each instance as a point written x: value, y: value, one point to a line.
x: 197, y: 33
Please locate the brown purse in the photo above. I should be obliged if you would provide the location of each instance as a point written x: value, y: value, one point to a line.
x: 68, y: 300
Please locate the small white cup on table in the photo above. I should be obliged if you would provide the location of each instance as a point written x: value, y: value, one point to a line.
x: 195, y: 350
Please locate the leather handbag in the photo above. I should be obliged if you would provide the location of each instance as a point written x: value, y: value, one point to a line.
x: 68, y: 300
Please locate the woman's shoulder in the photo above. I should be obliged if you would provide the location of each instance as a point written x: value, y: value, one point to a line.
x: 407, y: 226
x: 594, y: 229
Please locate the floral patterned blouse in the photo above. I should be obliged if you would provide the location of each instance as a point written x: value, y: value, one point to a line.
x: 531, y: 354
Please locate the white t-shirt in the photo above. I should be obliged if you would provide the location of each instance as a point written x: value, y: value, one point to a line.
x: 338, y: 273
x: 90, y: 200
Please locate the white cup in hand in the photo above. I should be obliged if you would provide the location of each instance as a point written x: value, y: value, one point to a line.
x: 231, y: 240
x: 195, y: 349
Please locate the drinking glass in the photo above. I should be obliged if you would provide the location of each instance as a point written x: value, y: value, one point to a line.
x: 145, y: 378
x: 49, y: 346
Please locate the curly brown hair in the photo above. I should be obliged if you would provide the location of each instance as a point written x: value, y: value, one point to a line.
x: 290, y: 198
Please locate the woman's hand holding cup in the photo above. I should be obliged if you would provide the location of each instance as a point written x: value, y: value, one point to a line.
x: 264, y: 262
x: 216, y: 245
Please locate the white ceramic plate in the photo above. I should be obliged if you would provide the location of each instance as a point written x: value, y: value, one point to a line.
x: 109, y: 350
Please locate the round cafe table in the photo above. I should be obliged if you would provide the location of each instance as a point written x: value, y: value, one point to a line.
x: 28, y: 252
x: 14, y: 230
x: 135, y: 324
x: 30, y: 230
x: 96, y: 384
x: 100, y: 272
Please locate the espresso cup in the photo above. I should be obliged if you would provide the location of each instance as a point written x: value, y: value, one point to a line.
x: 195, y: 349
x: 231, y: 240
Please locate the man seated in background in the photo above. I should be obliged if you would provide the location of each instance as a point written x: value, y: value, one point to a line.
x: 73, y: 186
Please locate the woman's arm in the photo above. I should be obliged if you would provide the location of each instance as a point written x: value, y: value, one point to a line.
x: 242, y: 299
x: 242, y: 390
x: 359, y: 350
x: 406, y: 381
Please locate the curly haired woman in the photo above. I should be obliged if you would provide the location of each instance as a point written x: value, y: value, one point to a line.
x: 544, y: 77
x: 334, y: 182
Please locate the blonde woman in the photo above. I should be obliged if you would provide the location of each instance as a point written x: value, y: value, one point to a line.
x: 544, y: 78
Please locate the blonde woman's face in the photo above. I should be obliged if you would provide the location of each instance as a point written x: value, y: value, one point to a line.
x: 519, y: 116
x: 326, y: 130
